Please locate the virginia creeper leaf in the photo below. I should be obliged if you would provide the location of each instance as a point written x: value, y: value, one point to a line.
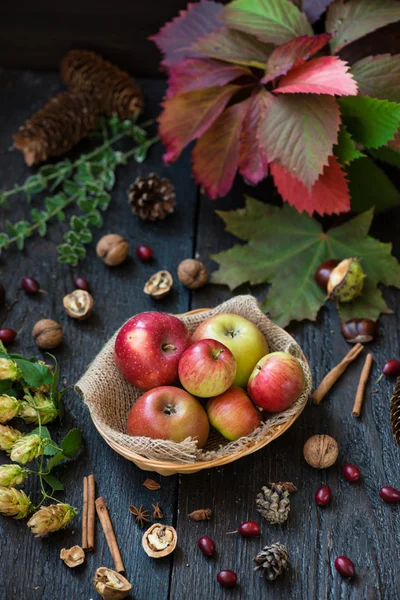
x: 378, y: 76
x: 346, y: 150
x: 187, y: 116
x: 273, y: 21
x: 253, y: 161
x: 370, y: 186
x: 325, y: 75
x: 349, y: 21
x: 300, y: 132
x: 370, y: 121
x: 284, y: 248
x: 328, y: 195
x: 176, y: 37
x: 313, y: 8
x: 197, y: 73
x: 386, y: 155
x: 235, y: 47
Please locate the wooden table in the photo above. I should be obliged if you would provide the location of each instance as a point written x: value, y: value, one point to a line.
x: 357, y: 523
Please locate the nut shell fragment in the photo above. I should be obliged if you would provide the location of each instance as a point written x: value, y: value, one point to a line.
x: 159, y: 285
x: 321, y: 451
x: 159, y: 540
x: 47, y: 334
x: 78, y: 304
x: 73, y: 557
x: 110, y: 584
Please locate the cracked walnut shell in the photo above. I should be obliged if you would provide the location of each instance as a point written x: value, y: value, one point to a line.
x: 159, y: 285
x: 78, y: 304
x: 110, y: 584
x: 113, y: 249
x: 73, y: 557
x: 321, y: 451
x: 159, y: 540
x: 192, y: 273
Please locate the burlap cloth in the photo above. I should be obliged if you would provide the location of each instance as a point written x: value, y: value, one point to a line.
x: 110, y: 398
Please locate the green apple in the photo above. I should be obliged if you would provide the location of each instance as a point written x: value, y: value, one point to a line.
x: 241, y: 336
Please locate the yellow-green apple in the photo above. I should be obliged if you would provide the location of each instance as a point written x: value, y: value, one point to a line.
x: 148, y: 348
x: 242, y: 337
x: 207, y: 368
x: 168, y: 413
x: 276, y: 381
x: 233, y: 414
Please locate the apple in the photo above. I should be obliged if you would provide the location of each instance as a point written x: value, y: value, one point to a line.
x: 233, y: 414
x: 242, y: 337
x: 168, y: 413
x: 148, y: 348
x: 207, y: 368
x: 276, y: 381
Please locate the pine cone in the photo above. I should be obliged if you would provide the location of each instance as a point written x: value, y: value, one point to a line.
x: 395, y: 412
x: 115, y: 90
x: 152, y: 198
x: 55, y: 128
x: 272, y: 561
x: 273, y: 503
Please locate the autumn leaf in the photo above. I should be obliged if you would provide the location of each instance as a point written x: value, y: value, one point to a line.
x: 370, y: 121
x: 378, y: 76
x: 325, y: 75
x: 370, y: 186
x: 197, y: 73
x: 284, y: 248
x: 346, y: 150
x: 253, y: 160
x: 313, y: 8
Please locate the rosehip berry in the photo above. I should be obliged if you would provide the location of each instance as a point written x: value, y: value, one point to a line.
x: 323, y: 495
x: 7, y: 335
x: 391, y: 368
x: 2, y: 295
x: 351, y: 472
x: 389, y: 494
x: 144, y: 252
x: 227, y: 578
x: 80, y: 283
x: 30, y: 286
x: 206, y: 545
x: 345, y: 566
x: 249, y: 529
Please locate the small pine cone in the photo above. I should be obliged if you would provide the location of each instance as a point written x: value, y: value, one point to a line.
x: 395, y: 412
x: 115, y: 90
x: 55, y: 128
x: 272, y: 561
x: 273, y: 503
x: 152, y: 198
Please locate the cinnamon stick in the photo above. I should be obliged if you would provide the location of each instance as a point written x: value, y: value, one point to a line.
x: 91, y: 517
x: 106, y: 524
x: 85, y: 515
x: 362, y: 385
x: 330, y: 379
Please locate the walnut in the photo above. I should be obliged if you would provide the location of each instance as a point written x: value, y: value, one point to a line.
x: 159, y: 285
x: 192, y: 273
x: 78, y: 304
x: 159, y: 540
x: 72, y: 557
x: 47, y: 334
x: 113, y: 249
x: 321, y: 451
x: 110, y: 584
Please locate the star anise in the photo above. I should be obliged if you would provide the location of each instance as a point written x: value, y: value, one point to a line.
x: 141, y: 515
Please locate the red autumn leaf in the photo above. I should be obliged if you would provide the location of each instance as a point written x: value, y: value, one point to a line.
x: 176, y: 37
x: 329, y: 194
x: 187, y: 116
x: 293, y: 54
x: 325, y: 75
x: 378, y: 76
x: 197, y: 73
x: 216, y: 154
x: 253, y: 160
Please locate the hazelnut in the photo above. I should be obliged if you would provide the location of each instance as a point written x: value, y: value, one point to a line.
x: 47, y: 334
x: 359, y: 331
x: 159, y: 285
x: 321, y: 451
x: 159, y: 540
x: 113, y: 249
x: 110, y: 584
x: 72, y: 557
x: 78, y: 304
x: 192, y: 273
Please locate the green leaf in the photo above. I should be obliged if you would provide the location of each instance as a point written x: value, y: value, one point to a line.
x: 3, y: 240
x: 108, y: 179
x: 386, y: 155
x: 370, y: 121
x: 53, y: 482
x: 72, y: 443
x: 103, y: 200
x: 273, y: 21
x: 378, y: 76
x: 79, y: 251
x: 77, y: 223
x: 35, y: 183
x: 43, y: 431
x: 70, y: 188
x: 33, y: 373
x: 5, y: 385
x: 346, y: 150
x: 50, y: 450
x: 370, y: 186
x: 349, y: 21
x: 55, y: 460
x: 284, y: 248
x: 95, y: 218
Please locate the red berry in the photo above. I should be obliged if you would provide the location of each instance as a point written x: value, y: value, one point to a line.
x: 389, y: 494
x: 144, y: 252
x: 80, y: 283
x: 323, y: 495
x: 391, y: 368
x: 351, y: 472
x: 2, y: 295
x: 227, y: 578
x: 206, y: 545
x: 30, y: 286
x: 7, y: 335
x: 249, y: 529
x: 345, y: 566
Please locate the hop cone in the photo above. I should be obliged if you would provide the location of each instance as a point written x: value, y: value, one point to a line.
x: 9, y: 408
x: 8, y: 437
x: 11, y: 475
x: 14, y: 503
x: 9, y: 369
x: 51, y: 518
x: 44, y: 407
x: 27, y: 448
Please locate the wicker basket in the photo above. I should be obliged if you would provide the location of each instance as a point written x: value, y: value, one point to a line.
x: 170, y: 468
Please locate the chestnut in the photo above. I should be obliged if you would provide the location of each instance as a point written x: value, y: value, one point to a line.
x: 323, y: 272
x: 359, y: 331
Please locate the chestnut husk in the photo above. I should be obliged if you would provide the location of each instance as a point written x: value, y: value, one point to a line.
x: 359, y: 331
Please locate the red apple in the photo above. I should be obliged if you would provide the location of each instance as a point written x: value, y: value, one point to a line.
x: 207, y: 368
x: 276, y: 381
x: 148, y: 348
x: 168, y: 413
x: 233, y: 414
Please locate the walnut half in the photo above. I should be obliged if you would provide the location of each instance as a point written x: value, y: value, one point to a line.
x: 159, y: 285
x: 110, y: 584
x: 73, y: 557
x: 159, y: 540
